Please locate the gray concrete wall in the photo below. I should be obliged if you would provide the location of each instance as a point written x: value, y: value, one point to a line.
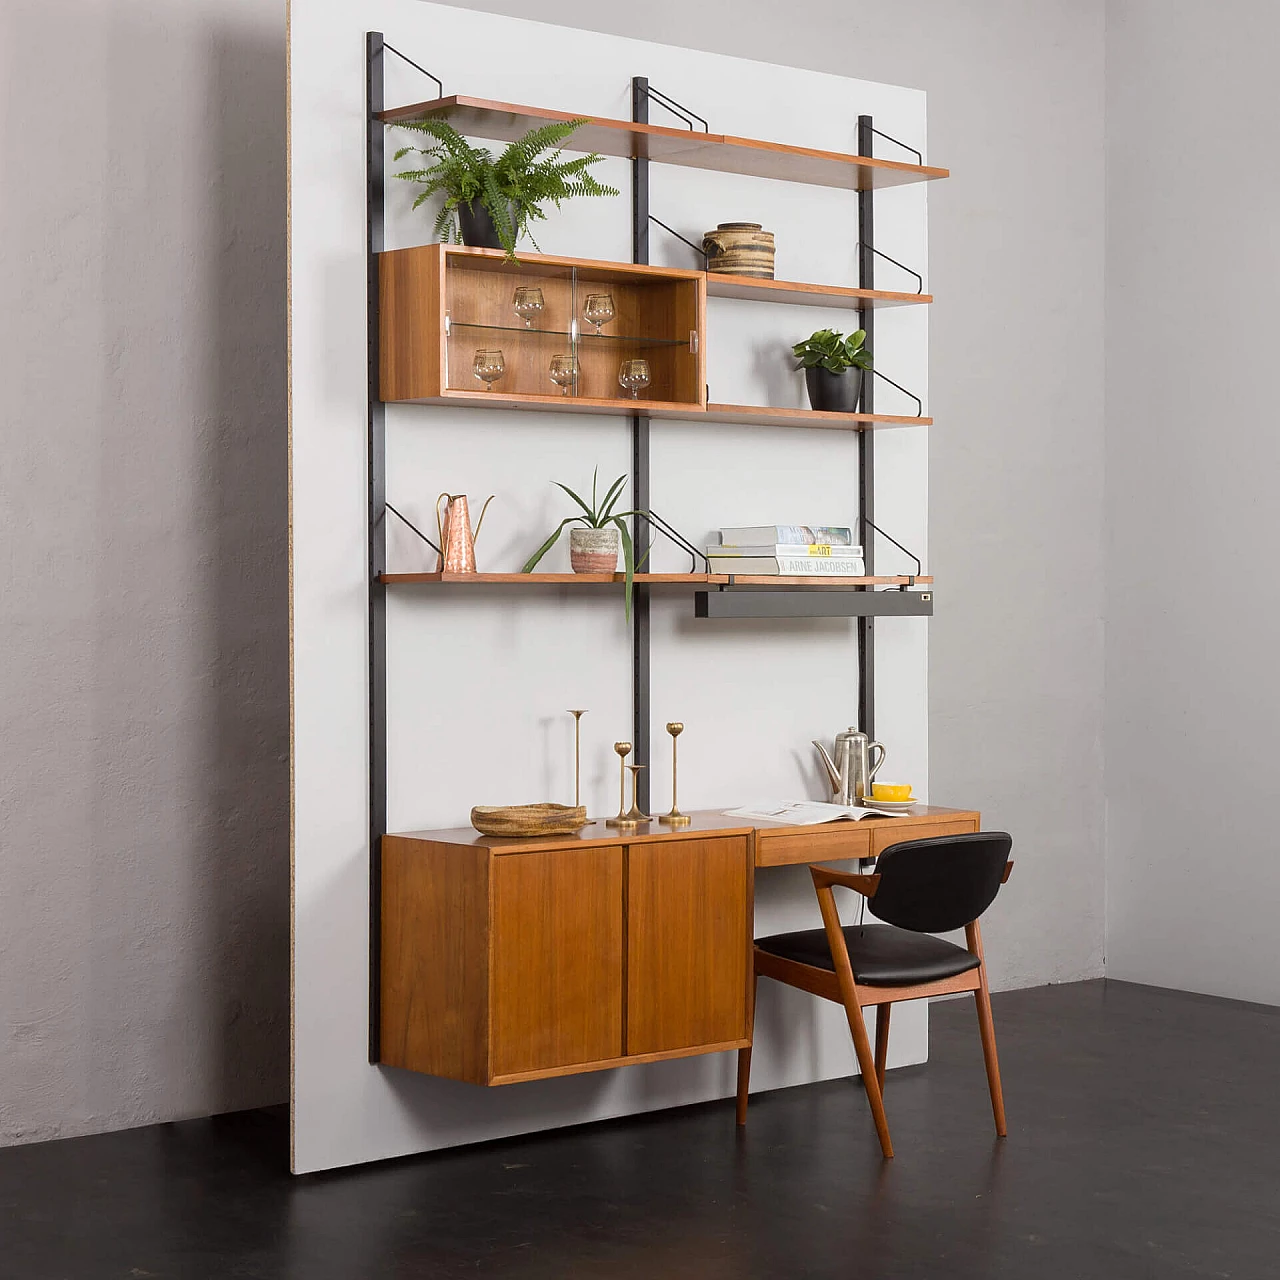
x: 1193, y: 455
x: 144, y: 796
x: 143, y: 774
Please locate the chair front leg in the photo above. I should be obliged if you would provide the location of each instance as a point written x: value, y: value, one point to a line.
x: 853, y: 1011
x: 987, y: 1030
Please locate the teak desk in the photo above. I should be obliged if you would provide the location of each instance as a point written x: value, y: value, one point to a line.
x: 508, y: 960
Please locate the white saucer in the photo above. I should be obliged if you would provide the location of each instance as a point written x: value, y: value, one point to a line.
x: 890, y: 804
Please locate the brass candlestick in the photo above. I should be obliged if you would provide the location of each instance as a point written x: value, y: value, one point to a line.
x: 623, y: 819
x: 577, y: 756
x: 675, y: 818
x: 635, y: 814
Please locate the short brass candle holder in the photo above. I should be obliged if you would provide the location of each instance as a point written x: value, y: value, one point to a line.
x: 635, y: 814
x: 624, y: 819
x: 675, y: 818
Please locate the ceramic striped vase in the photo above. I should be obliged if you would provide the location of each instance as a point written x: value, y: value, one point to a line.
x: 740, y: 249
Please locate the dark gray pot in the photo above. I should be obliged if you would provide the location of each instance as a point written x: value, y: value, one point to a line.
x: 478, y: 230
x: 833, y: 392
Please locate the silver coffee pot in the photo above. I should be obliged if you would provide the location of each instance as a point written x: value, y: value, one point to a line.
x: 852, y: 768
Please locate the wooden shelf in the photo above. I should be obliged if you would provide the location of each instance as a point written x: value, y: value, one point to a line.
x: 764, y: 416
x: 653, y: 579
x: 807, y: 295
x: 505, y: 121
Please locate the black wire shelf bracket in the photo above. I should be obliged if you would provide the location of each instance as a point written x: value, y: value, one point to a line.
x: 405, y: 520
x: 897, y: 142
x: 867, y: 522
x: 676, y: 108
x: 911, y: 395
x: 390, y: 48
x: 919, y: 279
x: 672, y: 534
x: 697, y: 248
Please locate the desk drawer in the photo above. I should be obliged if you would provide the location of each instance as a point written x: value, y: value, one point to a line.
x: 842, y: 840
x: 883, y: 836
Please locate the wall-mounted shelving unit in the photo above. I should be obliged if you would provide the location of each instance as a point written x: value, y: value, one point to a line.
x: 424, y: 301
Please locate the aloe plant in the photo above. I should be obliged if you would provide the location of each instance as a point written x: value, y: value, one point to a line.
x: 599, y: 513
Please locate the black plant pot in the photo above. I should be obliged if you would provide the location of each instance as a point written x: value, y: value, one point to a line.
x: 478, y: 229
x: 833, y: 392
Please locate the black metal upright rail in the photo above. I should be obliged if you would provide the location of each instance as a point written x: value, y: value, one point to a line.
x: 375, y: 215
x: 866, y: 442
x: 640, y: 536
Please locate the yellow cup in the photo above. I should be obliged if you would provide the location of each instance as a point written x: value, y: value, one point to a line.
x: 891, y: 791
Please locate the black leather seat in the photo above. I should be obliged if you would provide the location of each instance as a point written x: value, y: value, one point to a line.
x: 879, y: 954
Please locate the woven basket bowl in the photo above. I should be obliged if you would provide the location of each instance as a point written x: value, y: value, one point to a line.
x: 528, y: 819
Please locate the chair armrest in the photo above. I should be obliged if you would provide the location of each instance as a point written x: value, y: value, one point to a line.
x: 1008, y: 871
x: 824, y: 878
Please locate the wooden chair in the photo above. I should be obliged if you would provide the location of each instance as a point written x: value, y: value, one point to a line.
x: 920, y: 887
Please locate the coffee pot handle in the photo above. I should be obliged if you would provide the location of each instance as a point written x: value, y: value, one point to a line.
x: 871, y: 768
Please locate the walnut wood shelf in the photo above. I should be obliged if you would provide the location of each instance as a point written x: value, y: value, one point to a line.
x: 505, y: 121
x: 807, y: 295
x: 653, y: 579
x: 760, y: 415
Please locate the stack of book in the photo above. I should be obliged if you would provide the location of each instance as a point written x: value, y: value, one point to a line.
x: 794, y: 550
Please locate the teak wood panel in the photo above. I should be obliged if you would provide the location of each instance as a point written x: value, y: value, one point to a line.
x: 557, y: 946
x: 883, y: 836
x: 778, y: 846
x: 723, y: 153
x: 688, y: 937
x: 410, y: 324
x: 435, y: 966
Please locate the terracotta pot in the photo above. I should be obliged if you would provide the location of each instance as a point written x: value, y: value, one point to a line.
x: 594, y: 550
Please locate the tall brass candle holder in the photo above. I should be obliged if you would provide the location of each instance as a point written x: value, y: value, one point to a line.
x: 577, y: 755
x: 675, y: 818
x: 635, y: 814
x: 623, y: 819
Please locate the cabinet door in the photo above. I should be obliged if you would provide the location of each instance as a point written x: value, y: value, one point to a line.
x: 556, y: 977
x: 688, y: 940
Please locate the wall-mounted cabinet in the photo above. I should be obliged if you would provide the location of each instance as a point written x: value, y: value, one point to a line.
x: 440, y: 305
x: 504, y: 961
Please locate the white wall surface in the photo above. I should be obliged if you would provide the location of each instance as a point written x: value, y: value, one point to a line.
x: 1193, y: 606
x: 477, y: 682
x: 142, y: 939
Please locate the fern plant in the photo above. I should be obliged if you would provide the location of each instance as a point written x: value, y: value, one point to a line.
x: 513, y: 188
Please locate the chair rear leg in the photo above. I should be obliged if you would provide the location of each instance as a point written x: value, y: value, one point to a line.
x: 870, y: 1079
x: 882, y: 1042
x: 987, y: 1028
x: 744, y: 1082
x: 744, y: 1055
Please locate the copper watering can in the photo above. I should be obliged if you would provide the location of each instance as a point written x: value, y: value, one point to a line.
x: 457, y: 539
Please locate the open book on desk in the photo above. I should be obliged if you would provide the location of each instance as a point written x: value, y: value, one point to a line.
x: 804, y: 813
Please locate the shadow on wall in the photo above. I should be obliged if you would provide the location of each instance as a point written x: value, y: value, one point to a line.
x: 144, y: 887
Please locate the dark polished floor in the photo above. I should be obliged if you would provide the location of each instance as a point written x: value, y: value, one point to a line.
x: 1144, y: 1142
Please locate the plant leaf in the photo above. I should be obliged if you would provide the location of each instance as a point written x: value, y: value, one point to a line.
x: 591, y: 515
x: 610, y: 498
x: 532, y: 561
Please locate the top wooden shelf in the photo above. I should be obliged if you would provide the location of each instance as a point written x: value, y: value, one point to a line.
x: 505, y: 121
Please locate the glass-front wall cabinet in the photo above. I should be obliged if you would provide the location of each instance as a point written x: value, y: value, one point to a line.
x: 460, y: 323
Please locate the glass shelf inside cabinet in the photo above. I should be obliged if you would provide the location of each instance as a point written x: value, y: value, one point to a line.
x: 574, y: 335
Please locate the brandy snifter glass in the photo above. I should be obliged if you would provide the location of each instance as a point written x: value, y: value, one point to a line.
x: 488, y: 366
x: 564, y: 372
x: 528, y: 304
x: 598, y: 309
x: 634, y: 376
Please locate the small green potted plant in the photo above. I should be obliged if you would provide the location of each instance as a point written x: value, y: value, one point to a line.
x: 595, y: 538
x: 491, y: 203
x: 833, y: 366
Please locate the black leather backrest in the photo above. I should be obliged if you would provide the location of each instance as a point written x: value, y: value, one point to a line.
x: 936, y: 885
